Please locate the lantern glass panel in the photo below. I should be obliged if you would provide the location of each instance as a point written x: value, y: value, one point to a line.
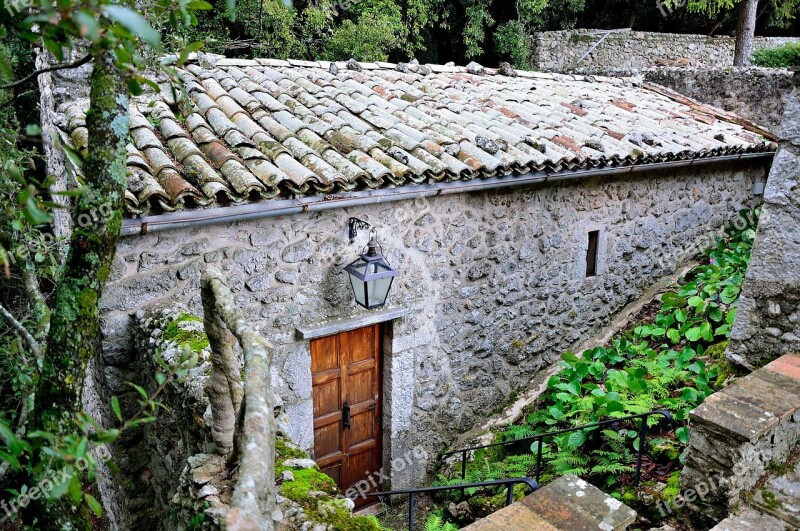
x: 378, y: 290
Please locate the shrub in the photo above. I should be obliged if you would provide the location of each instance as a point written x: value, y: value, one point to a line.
x: 786, y: 56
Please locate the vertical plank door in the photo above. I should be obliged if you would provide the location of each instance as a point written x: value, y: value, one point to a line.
x: 346, y: 375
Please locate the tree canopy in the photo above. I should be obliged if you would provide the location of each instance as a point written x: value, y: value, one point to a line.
x: 488, y: 31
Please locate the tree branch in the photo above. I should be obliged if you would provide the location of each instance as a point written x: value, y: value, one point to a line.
x: 63, y: 66
x: 35, y: 347
x: 37, y: 300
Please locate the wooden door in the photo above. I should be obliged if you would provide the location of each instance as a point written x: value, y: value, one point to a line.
x: 346, y: 373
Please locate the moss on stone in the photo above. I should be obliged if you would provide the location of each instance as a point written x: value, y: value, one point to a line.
x: 195, y: 339
x: 285, y: 450
x: 717, y: 350
x: 305, y: 481
x: 673, y: 487
x: 770, y: 502
x: 333, y: 512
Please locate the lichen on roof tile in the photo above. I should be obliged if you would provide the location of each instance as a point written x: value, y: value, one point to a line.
x: 271, y: 128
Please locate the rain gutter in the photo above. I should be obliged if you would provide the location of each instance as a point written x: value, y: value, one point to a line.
x: 300, y: 205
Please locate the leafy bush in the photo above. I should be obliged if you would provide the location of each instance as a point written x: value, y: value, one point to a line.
x: 786, y: 56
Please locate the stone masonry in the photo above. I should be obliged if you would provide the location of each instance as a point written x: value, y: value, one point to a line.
x: 768, y: 320
x: 493, y: 283
x: 559, y: 51
x: 738, y: 434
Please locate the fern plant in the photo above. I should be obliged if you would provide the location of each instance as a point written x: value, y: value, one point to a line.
x: 436, y: 523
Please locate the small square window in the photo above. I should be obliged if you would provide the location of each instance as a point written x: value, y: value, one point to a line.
x: 591, y: 253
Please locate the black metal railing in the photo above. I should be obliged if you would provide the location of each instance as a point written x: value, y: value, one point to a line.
x: 509, y: 482
x: 542, y: 436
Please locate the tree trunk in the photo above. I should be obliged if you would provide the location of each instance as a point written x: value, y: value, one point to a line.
x: 74, y: 325
x: 745, y: 32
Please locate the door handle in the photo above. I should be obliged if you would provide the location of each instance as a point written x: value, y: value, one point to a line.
x: 346, y: 415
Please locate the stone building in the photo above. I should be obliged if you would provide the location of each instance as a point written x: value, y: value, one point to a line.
x: 521, y: 211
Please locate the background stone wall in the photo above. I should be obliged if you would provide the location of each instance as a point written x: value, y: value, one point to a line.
x: 755, y: 93
x: 493, y: 281
x: 768, y: 319
x: 559, y: 51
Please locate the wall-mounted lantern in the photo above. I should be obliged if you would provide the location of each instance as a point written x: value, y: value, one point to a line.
x: 371, y: 276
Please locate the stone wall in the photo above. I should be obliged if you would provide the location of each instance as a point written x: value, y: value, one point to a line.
x: 755, y: 93
x: 493, y: 283
x: 559, y: 51
x: 768, y: 320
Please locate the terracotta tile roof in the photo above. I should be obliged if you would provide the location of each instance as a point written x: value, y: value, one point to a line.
x: 259, y: 129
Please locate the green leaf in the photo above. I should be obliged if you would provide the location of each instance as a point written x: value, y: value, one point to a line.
x: 576, y: 438
x: 133, y: 22
x: 614, y: 406
x: 729, y: 294
x: 140, y: 390
x: 93, y: 504
x: 694, y: 334
x: 116, y: 408
x: 683, y: 435
x: 706, y: 332
x: 188, y: 49
x: 161, y: 378
x: 75, y: 487
x: 54, y: 48
x: 12, y: 461
x: 673, y: 335
x: 695, y: 301
x: 672, y: 300
x: 731, y: 316
x: 715, y: 314
x: 199, y: 5
x: 723, y: 330
x: 34, y: 214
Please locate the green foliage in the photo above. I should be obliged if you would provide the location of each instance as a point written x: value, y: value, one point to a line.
x: 786, y: 56
x: 366, y: 31
x: 436, y: 523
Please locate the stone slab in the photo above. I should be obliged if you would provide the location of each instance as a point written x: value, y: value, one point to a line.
x: 569, y: 503
x: 515, y: 516
x: 766, y: 394
x: 593, y: 502
x: 343, y: 325
x: 729, y: 415
x: 750, y: 519
x: 787, y: 365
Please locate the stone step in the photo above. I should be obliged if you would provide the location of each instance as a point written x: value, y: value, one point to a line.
x: 750, y: 519
x: 567, y: 504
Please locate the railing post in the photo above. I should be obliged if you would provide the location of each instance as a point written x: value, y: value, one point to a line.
x: 539, y: 459
x: 510, y: 494
x: 411, y: 512
x: 463, y: 464
x: 642, y: 436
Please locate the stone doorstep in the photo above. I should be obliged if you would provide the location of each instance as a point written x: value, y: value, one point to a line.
x: 567, y: 504
x: 733, y: 417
